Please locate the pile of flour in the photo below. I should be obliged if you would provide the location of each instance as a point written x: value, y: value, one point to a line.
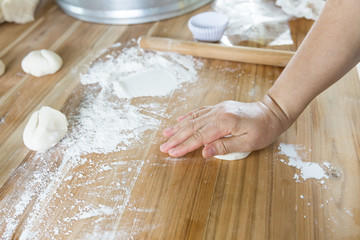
x: 106, y: 121
x: 136, y: 74
x: 308, y: 170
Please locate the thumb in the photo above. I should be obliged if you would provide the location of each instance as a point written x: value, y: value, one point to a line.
x: 226, y: 145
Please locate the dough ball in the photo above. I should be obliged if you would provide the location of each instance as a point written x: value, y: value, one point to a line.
x: 233, y: 156
x: 41, y: 62
x: 19, y: 11
x: 2, y: 68
x: 45, y: 129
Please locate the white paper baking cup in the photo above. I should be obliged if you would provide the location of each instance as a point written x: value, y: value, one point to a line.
x: 208, y: 26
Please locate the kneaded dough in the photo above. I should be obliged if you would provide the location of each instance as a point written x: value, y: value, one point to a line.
x: 2, y: 67
x: 156, y: 82
x: 233, y: 156
x: 19, y: 11
x: 41, y: 62
x: 45, y: 129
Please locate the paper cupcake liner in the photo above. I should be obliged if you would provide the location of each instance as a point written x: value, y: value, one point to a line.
x: 208, y: 26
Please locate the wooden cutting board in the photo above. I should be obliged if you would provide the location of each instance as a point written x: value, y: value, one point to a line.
x: 144, y: 194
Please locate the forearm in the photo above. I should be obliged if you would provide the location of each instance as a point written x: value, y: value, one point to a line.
x: 329, y: 51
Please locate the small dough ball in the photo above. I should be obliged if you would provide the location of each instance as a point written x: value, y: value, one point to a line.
x: 2, y: 68
x: 41, y: 62
x: 19, y: 11
x: 233, y: 156
x: 45, y: 129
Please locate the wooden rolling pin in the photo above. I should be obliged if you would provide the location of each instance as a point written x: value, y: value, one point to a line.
x: 216, y: 51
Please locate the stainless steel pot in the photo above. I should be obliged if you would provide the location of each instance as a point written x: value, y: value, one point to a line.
x: 128, y: 11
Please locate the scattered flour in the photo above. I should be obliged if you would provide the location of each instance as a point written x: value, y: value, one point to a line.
x: 257, y: 21
x: 105, y: 122
x: 90, y: 211
x: 137, y: 74
x: 307, y: 169
x: 349, y: 212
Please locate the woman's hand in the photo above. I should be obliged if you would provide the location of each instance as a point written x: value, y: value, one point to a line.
x: 252, y: 126
x: 326, y: 54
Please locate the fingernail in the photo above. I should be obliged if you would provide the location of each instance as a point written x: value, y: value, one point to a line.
x: 172, y: 151
x: 163, y: 147
x: 167, y: 129
x: 180, y: 118
x: 209, y: 152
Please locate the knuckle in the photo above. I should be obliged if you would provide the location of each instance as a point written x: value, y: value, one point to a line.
x: 226, y: 121
x: 191, y: 124
x: 225, y: 113
x: 224, y: 148
x: 194, y: 115
x: 198, y: 136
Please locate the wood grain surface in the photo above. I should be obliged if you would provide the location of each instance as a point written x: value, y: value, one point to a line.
x: 145, y: 194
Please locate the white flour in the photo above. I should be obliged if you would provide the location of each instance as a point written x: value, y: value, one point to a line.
x: 309, y: 9
x: 136, y: 74
x: 307, y: 169
x: 257, y: 21
x: 105, y: 122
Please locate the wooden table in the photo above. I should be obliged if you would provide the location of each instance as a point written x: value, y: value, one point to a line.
x: 163, y: 198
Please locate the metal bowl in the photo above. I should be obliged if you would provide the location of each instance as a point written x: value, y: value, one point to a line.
x: 128, y: 11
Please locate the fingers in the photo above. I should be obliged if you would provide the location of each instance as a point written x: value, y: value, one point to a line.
x: 227, y: 145
x: 197, y: 139
x: 200, y: 111
x: 185, y: 121
x: 183, y: 130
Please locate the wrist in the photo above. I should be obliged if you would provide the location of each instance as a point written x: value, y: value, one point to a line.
x: 278, y: 111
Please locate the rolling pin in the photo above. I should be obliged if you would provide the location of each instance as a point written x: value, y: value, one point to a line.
x: 253, y: 55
